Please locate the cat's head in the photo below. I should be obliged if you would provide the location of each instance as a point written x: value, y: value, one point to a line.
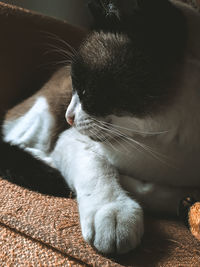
x: 125, y: 67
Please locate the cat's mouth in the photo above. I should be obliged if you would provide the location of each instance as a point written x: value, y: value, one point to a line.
x: 94, y: 132
x: 97, y: 139
x: 97, y: 136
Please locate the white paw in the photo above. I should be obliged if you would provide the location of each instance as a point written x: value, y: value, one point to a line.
x: 33, y: 129
x: 116, y: 227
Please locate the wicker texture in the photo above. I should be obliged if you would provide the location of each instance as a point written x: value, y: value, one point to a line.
x: 19, y: 250
x: 41, y: 229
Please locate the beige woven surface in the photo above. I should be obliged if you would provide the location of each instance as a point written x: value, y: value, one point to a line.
x: 40, y: 229
x: 18, y: 250
x: 49, y: 220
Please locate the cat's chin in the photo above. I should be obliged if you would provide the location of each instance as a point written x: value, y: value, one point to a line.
x: 97, y: 139
x: 96, y: 136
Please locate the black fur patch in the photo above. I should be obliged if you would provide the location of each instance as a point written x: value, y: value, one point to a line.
x: 184, y: 208
x: 128, y: 63
x: 19, y: 167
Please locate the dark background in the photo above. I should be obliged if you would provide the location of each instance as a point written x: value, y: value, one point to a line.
x: 74, y: 11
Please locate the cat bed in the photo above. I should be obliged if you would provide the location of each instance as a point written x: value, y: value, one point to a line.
x: 40, y: 230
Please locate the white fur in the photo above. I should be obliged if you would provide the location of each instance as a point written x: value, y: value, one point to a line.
x: 110, y: 220
x: 74, y: 106
x: 75, y: 109
x: 32, y: 131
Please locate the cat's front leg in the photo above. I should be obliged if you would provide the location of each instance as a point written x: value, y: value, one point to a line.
x: 110, y: 220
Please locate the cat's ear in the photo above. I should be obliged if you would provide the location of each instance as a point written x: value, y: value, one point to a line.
x: 123, y: 14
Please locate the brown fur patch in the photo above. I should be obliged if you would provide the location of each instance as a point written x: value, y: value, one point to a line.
x: 57, y: 92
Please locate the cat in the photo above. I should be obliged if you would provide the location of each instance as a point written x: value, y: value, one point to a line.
x: 131, y: 97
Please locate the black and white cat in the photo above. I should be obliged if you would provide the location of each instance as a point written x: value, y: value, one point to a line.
x: 134, y: 115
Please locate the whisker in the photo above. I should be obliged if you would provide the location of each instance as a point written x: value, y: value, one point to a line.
x: 55, y: 37
x: 127, y: 137
x: 162, y: 158
x: 112, y: 137
x: 121, y: 137
x: 53, y: 64
x: 60, y: 51
x: 135, y: 131
x: 105, y: 140
x: 130, y: 129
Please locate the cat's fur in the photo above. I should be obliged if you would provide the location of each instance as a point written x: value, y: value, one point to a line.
x: 135, y: 111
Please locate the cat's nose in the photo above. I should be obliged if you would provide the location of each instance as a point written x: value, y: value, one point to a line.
x: 70, y: 119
